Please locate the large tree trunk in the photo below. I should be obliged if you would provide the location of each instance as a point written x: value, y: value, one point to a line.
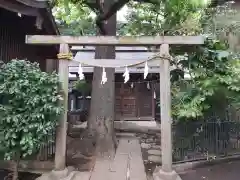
x: 101, y: 117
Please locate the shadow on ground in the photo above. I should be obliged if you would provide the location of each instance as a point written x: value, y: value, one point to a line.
x: 80, y: 150
x: 6, y: 175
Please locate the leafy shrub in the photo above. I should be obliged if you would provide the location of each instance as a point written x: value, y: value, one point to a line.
x: 82, y: 86
x: 214, y: 82
x: 29, y: 109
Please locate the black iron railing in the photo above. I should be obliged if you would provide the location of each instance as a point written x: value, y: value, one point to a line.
x: 47, y: 150
x: 197, y: 140
x: 45, y: 153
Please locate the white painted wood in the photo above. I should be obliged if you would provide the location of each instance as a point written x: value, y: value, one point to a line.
x: 113, y: 40
x: 60, y: 154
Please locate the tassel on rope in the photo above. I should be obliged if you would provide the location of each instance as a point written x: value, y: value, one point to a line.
x: 145, y: 70
x: 80, y: 72
x: 104, y: 76
x: 131, y: 85
x: 148, y: 85
x: 126, y: 75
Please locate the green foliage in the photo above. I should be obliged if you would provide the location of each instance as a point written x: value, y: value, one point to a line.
x: 74, y: 19
x: 212, y: 71
x: 221, y: 19
x: 167, y: 17
x: 82, y: 86
x: 213, y: 75
x: 30, y: 107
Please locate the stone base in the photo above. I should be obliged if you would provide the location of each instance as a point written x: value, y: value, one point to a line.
x: 161, y: 175
x: 65, y: 174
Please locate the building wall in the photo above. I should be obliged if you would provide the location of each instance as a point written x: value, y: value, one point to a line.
x: 13, y: 30
x: 133, y: 100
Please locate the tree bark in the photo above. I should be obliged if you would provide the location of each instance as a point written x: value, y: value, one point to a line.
x: 101, y: 118
x: 15, y: 171
x: 15, y: 168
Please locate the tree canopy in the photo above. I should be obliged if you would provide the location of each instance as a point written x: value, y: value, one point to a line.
x: 210, y: 74
x: 83, y: 16
x: 74, y: 19
x: 144, y: 17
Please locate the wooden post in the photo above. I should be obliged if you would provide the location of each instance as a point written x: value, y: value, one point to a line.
x: 166, y: 172
x: 51, y: 65
x: 165, y: 104
x: 60, y: 154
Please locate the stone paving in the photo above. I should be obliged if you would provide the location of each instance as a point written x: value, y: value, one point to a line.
x: 127, y: 165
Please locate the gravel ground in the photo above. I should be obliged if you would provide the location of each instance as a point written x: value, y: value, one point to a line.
x: 223, y: 171
x: 151, y: 148
x: 151, y: 151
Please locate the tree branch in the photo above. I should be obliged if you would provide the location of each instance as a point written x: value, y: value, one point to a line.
x: 113, y: 10
x: 94, y: 6
x: 107, y: 15
x: 103, y: 16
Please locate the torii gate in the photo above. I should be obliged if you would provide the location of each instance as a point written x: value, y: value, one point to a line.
x: 166, y: 172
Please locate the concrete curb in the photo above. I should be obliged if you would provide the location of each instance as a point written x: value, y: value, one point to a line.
x: 181, y: 168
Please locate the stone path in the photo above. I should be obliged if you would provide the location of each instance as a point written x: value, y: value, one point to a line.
x: 127, y: 165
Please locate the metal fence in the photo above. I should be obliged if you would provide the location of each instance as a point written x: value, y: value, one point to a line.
x: 47, y: 150
x: 199, y: 140
x: 45, y: 153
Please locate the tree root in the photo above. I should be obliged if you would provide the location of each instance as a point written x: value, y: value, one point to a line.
x: 9, y: 176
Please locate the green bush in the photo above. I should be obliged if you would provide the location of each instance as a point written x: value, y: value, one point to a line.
x: 29, y: 109
x: 214, y: 82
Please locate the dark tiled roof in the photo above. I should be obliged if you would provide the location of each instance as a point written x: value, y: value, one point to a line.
x: 34, y: 3
x: 42, y: 6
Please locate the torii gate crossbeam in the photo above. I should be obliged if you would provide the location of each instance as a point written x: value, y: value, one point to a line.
x: 166, y: 172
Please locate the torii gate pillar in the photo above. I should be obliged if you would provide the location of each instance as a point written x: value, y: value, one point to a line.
x: 166, y: 172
